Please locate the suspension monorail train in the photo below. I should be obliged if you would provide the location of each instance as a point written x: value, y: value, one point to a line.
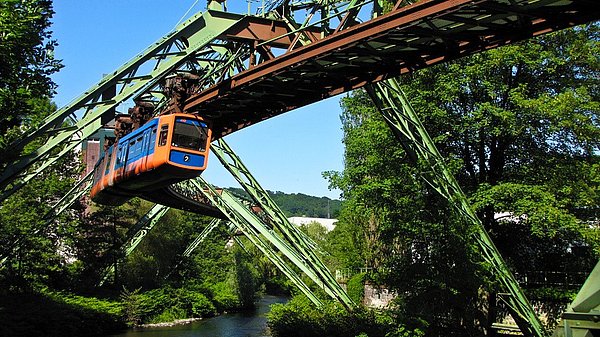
x: 165, y: 150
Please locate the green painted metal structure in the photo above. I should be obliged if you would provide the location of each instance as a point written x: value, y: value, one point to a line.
x: 407, y: 127
x: 297, y: 240
x: 63, y: 131
x: 201, y: 44
x: 259, y: 233
x: 582, y: 317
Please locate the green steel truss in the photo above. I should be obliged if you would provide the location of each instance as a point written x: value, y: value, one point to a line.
x: 259, y: 233
x: 198, y: 240
x: 298, y: 241
x: 192, y: 44
x: 199, y: 46
x: 407, y: 127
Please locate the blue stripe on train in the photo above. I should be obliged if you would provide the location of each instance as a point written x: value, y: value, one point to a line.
x: 188, y: 159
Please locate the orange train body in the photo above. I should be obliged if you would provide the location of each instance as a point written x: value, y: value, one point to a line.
x: 165, y: 150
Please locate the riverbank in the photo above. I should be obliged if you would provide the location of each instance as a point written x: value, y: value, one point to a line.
x: 41, y: 314
x: 249, y: 323
x: 169, y: 324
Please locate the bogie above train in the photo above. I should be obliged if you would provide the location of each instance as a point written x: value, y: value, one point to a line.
x: 165, y: 150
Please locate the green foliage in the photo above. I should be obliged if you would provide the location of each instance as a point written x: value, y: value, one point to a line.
x: 519, y: 128
x: 247, y: 280
x: 356, y: 287
x: 131, y: 304
x: 26, y: 63
x: 224, y: 296
x: 57, y: 314
x: 38, y: 249
x: 169, y: 315
x: 298, y: 204
x: 165, y: 305
x: 300, y: 317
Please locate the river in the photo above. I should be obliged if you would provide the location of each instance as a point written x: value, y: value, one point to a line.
x: 242, y: 324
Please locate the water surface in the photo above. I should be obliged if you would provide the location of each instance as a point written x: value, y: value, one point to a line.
x: 243, y: 324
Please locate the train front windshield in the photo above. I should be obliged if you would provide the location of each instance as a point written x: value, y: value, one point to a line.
x: 190, y: 134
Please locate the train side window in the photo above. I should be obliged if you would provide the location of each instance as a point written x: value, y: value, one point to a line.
x: 153, y: 137
x: 131, y: 149
x: 107, y: 169
x: 162, y: 137
x: 146, y: 142
x: 119, y: 156
x: 140, y: 145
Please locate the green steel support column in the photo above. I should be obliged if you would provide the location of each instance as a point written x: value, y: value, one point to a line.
x: 251, y: 227
x: 83, y: 186
x: 137, y: 233
x: 295, y: 237
x: 407, y: 127
x: 212, y: 225
x: 167, y: 54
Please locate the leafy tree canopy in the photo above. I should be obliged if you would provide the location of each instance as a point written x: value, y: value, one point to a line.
x: 26, y: 63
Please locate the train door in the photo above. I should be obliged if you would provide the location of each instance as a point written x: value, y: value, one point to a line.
x: 152, y: 149
x: 145, y: 150
x: 108, y: 171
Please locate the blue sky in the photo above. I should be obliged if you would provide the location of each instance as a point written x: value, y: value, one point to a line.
x: 286, y: 153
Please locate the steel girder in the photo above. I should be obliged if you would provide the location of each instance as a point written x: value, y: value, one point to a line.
x: 404, y: 40
x: 198, y: 240
x: 254, y: 229
x: 407, y: 127
x: 214, y: 223
x: 294, y: 237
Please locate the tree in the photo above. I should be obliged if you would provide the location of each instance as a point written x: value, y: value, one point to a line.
x: 26, y: 63
x: 521, y: 123
x: 519, y: 127
x: 39, y: 250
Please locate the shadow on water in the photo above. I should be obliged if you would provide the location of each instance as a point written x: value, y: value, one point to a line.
x: 243, y: 324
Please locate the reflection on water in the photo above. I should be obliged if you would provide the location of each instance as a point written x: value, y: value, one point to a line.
x: 245, y: 324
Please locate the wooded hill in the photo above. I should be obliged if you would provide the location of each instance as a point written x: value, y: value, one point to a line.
x: 298, y: 204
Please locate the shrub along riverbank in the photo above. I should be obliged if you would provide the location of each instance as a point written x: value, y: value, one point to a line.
x: 300, y: 317
x: 49, y: 313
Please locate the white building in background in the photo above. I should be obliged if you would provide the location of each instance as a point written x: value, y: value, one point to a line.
x: 329, y: 224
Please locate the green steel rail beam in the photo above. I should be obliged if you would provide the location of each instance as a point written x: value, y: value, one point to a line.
x: 189, y: 39
x: 295, y: 237
x: 252, y: 227
x: 137, y: 233
x: 409, y: 130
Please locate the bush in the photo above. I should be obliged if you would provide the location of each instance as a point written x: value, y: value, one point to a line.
x: 169, y: 315
x: 356, y: 287
x: 224, y: 297
x: 58, y: 314
x: 300, y: 317
x: 167, y: 304
x: 193, y: 303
